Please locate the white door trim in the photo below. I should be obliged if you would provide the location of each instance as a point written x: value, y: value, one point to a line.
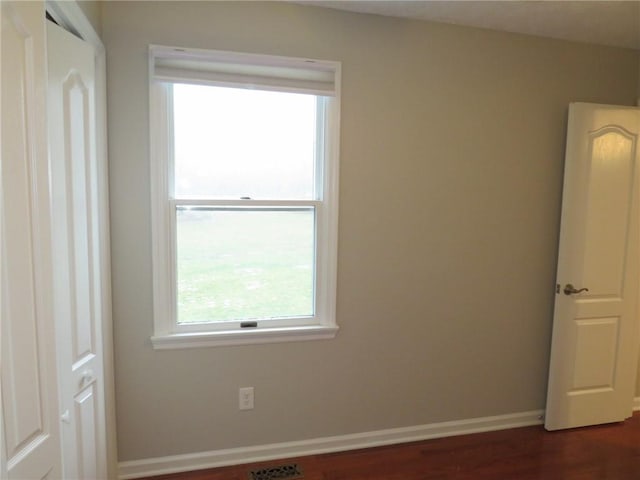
x: 70, y: 16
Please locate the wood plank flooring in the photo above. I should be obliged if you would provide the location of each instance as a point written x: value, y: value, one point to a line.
x: 607, y: 452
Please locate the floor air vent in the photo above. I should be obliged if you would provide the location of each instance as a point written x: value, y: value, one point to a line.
x: 290, y: 471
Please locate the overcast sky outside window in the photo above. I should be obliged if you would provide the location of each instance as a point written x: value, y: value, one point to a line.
x: 232, y: 143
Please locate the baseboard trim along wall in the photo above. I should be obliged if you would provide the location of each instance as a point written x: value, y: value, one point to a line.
x: 636, y: 404
x: 236, y: 456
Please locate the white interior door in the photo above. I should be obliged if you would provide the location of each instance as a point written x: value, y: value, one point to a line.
x: 72, y: 146
x: 31, y: 443
x: 595, y: 331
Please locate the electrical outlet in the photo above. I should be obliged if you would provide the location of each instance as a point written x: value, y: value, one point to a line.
x: 245, y: 398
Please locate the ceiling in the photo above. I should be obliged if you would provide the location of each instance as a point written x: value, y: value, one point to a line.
x: 614, y: 23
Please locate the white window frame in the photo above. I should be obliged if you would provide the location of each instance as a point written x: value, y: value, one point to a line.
x: 209, y: 67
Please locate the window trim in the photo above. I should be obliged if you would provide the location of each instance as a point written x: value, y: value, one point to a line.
x: 167, y: 333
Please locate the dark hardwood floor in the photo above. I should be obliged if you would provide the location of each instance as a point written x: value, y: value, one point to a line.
x: 606, y: 452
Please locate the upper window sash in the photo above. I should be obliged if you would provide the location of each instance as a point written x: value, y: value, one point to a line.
x: 208, y: 128
x: 232, y: 69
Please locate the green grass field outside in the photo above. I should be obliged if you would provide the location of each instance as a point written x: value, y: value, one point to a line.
x: 240, y: 265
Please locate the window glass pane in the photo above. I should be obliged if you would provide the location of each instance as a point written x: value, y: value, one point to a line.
x: 240, y: 264
x: 233, y: 143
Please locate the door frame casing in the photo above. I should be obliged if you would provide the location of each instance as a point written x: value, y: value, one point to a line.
x: 70, y: 16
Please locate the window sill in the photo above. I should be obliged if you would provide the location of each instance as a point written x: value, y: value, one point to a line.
x: 242, y: 337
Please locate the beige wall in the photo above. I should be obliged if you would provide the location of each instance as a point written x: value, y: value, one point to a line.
x: 451, y: 175
x: 92, y: 11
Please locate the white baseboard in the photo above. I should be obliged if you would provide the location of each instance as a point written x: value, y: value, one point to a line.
x: 636, y: 404
x: 236, y: 456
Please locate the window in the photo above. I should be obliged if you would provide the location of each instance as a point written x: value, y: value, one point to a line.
x: 244, y: 175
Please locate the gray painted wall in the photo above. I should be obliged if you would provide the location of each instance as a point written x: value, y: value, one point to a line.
x: 451, y: 175
x: 92, y: 11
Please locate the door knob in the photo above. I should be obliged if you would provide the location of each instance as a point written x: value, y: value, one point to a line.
x: 66, y: 417
x: 87, y: 377
x: 571, y: 290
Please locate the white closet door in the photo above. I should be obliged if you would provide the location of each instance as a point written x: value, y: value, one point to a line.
x: 31, y: 443
x: 77, y: 290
